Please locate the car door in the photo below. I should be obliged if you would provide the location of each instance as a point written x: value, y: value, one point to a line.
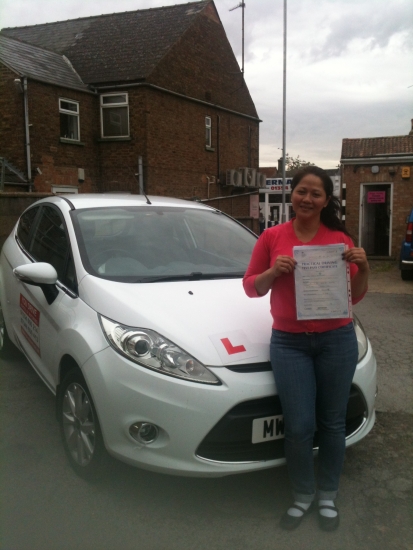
x: 36, y: 322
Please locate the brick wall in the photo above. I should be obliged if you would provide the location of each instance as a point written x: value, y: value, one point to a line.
x: 59, y: 162
x: 12, y: 134
x: 12, y: 206
x: 202, y: 65
x: 177, y: 161
x: 355, y: 176
x: 237, y: 206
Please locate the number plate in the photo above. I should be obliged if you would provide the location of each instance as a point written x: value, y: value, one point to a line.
x: 268, y: 428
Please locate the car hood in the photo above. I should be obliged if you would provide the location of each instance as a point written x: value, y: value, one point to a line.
x: 213, y: 320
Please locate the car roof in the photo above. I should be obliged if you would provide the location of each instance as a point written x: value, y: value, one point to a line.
x: 101, y: 200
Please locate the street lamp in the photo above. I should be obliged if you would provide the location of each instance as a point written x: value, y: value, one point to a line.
x: 283, y: 213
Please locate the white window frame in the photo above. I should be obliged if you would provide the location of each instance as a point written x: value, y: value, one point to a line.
x: 74, y: 114
x: 208, y: 131
x: 103, y: 106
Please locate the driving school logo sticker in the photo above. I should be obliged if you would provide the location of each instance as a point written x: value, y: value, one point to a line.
x: 29, y: 323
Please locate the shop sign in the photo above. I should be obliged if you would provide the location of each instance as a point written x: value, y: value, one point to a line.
x: 276, y: 185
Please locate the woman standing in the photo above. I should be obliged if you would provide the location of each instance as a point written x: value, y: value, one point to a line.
x: 313, y: 361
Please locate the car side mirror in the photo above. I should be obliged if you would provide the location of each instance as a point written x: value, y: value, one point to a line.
x: 39, y: 274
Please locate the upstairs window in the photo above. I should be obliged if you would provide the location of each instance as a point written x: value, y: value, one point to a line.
x: 208, y: 132
x: 69, y: 119
x: 114, y: 111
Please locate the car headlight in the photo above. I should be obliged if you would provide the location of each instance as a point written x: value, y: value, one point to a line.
x: 361, y: 338
x: 150, y: 349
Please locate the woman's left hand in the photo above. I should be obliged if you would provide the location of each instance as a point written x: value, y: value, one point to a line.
x: 357, y: 256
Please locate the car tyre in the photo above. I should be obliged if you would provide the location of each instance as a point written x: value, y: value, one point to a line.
x: 407, y: 274
x: 79, y: 427
x: 6, y: 345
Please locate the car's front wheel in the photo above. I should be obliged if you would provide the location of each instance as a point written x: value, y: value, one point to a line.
x: 79, y: 425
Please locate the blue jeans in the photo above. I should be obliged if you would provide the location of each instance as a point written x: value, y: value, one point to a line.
x: 313, y: 374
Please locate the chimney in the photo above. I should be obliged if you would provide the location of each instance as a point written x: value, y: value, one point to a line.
x: 280, y: 165
x: 411, y: 131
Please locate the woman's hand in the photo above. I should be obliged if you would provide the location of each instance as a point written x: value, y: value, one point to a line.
x: 357, y: 256
x: 264, y: 281
x: 283, y: 264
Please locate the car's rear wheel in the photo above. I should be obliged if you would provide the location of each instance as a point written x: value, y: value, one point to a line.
x: 6, y: 344
x: 79, y: 425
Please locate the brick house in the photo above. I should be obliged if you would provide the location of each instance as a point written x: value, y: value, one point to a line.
x: 151, y: 99
x: 377, y: 191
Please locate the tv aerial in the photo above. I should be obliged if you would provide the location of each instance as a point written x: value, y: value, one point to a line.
x: 241, y: 5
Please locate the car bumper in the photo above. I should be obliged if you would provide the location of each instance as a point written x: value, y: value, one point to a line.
x: 187, y: 413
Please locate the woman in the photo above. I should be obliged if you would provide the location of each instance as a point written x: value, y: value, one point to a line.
x: 313, y: 361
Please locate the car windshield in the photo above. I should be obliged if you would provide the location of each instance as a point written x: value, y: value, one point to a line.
x: 151, y: 243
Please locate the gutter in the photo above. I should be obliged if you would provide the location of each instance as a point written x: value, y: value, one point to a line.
x: 27, y: 131
x: 183, y: 96
x: 380, y: 159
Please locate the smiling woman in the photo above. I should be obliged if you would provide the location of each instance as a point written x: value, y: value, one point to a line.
x: 313, y: 360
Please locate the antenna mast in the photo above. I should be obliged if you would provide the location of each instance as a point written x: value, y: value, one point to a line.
x: 241, y: 5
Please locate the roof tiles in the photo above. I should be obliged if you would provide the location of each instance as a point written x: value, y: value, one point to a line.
x: 39, y: 64
x: 371, y: 147
x: 119, y: 47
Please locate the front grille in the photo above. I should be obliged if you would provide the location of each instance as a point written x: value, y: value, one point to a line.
x: 230, y: 439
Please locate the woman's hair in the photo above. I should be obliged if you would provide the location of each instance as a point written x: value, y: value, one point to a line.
x: 330, y: 215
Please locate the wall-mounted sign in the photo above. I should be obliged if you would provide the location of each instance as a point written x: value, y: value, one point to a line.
x: 276, y: 185
x: 376, y: 197
x: 405, y: 172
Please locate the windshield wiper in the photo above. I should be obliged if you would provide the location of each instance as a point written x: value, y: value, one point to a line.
x: 194, y: 276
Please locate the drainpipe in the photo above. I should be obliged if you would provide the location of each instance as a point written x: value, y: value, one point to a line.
x: 141, y: 190
x: 218, y: 150
x: 249, y: 146
x: 27, y: 131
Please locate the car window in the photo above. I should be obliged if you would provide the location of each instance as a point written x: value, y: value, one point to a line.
x: 25, y: 226
x: 50, y: 244
x: 134, y: 243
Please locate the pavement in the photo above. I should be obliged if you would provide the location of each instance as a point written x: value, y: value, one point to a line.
x: 385, y: 278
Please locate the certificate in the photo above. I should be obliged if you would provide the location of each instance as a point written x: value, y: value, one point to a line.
x: 322, y: 282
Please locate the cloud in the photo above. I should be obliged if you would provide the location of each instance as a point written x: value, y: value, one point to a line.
x: 357, y: 26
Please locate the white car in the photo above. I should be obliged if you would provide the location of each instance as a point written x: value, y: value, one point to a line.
x: 131, y: 309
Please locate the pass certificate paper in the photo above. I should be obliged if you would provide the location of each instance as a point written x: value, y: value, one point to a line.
x: 322, y: 282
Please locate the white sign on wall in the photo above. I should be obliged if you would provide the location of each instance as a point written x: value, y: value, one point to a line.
x: 276, y: 185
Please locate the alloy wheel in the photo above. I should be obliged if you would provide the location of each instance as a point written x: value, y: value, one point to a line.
x: 78, y: 424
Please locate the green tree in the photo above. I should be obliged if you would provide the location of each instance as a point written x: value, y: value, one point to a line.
x: 293, y: 164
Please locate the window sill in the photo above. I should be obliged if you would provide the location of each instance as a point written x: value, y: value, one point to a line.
x: 102, y: 140
x: 71, y: 142
x: 211, y: 149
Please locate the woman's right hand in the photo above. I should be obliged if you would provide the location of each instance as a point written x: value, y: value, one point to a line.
x: 282, y: 265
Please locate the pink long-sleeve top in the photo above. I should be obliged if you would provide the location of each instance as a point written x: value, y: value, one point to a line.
x: 280, y: 240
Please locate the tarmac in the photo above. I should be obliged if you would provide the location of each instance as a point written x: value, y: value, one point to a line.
x: 385, y: 277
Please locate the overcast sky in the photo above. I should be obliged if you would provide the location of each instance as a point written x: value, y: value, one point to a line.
x: 349, y: 65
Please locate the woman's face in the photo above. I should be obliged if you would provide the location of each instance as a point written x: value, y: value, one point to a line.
x: 309, y: 198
